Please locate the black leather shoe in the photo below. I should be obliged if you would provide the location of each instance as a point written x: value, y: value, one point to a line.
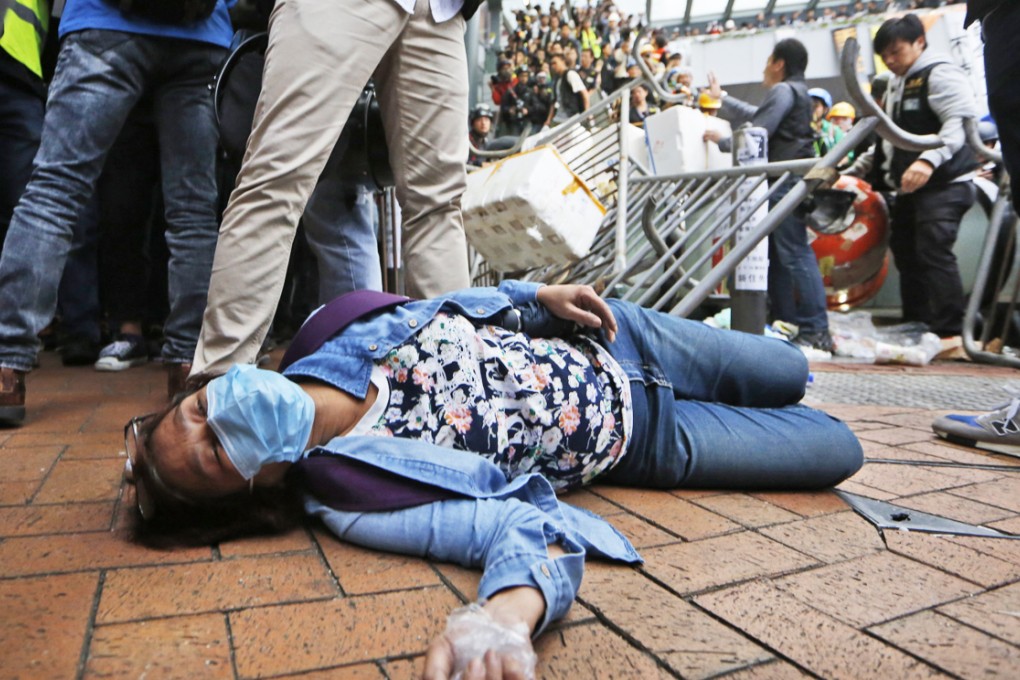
x: 79, y: 351
x: 12, y: 397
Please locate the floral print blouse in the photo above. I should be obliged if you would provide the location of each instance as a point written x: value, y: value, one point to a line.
x: 557, y: 407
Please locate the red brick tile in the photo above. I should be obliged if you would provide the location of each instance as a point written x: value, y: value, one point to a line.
x: 82, y: 480
x: 907, y: 480
x: 995, y: 612
x: 592, y: 651
x: 35, y: 520
x: 953, y: 558
x: 874, y: 588
x: 854, y: 412
x: 181, y: 647
x: 1011, y: 525
x: 1004, y: 549
x: 295, y: 540
x: 43, y: 627
x: 1002, y: 493
x: 404, y: 669
x: 894, y: 436
x: 131, y: 594
x: 24, y: 438
x: 920, y: 420
x: 746, y: 510
x: 17, y: 493
x: 361, y: 671
x: 804, y: 503
x: 681, y: 517
x: 691, y: 494
x: 852, y: 486
x: 462, y: 580
x: 692, y: 643
x: 308, y: 636
x: 946, y: 504
x: 809, y: 638
x: 79, y: 552
x: 360, y: 570
x: 641, y: 533
x: 873, y: 451
x: 830, y: 538
x: 692, y: 567
x: 27, y: 464
x: 592, y: 502
x: 952, y: 646
x: 774, y: 670
x: 963, y: 454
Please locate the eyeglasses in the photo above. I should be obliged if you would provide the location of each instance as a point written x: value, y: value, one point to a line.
x: 133, y: 446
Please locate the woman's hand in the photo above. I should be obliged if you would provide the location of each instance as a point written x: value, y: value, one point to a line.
x: 503, y: 626
x: 580, y: 304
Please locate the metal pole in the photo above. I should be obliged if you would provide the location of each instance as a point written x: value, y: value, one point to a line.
x: 748, y: 306
x: 620, y: 261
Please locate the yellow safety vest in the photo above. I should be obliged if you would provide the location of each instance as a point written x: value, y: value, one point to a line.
x: 23, y: 32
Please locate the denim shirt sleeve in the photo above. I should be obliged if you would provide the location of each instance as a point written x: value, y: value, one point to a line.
x: 505, y: 537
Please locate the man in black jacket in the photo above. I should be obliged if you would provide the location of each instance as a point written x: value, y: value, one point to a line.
x: 320, y: 55
x: 934, y: 189
x: 796, y: 292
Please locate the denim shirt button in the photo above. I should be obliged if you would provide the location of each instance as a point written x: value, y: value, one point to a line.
x: 480, y: 310
x: 373, y: 347
x: 545, y: 571
x: 413, y: 323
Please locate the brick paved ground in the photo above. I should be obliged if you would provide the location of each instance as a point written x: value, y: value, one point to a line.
x: 771, y: 585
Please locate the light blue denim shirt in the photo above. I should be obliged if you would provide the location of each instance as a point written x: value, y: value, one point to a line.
x: 502, y: 527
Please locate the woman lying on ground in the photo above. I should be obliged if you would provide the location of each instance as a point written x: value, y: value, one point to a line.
x: 429, y: 430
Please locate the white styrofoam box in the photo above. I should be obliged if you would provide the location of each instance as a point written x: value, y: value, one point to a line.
x: 676, y: 140
x: 717, y: 160
x: 529, y: 210
x: 635, y: 144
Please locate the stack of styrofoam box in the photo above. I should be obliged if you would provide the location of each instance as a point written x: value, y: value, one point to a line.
x: 676, y: 141
x: 529, y: 210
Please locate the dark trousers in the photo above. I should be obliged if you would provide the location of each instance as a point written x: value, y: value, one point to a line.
x: 21, y: 121
x: 924, y: 228
x: 1002, y: 71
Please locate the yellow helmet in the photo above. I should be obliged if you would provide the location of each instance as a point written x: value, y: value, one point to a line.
x: 842, y: 110
x: 707, y: 101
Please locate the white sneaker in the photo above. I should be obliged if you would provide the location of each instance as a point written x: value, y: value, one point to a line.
x: 126, y: 351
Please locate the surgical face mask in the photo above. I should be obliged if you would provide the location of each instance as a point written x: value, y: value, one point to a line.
x: 260, y: 417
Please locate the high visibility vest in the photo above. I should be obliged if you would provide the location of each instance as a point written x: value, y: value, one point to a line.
x: 23, y: 32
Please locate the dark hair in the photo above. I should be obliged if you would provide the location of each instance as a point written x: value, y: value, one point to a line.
x: 794, y: 56
x: 907, y: 28
x: 182, y: 521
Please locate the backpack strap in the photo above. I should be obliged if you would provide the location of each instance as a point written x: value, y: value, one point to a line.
x: 335, y: 316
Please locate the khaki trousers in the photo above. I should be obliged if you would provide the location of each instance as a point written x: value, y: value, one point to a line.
x: 320, y: 55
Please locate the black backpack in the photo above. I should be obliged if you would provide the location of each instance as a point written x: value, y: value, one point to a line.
x: 167, y: 11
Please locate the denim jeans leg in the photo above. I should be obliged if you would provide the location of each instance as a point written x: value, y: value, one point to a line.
x: 98, y: 79
x: 800, y: 295
x: 741, y: 384
x: 340, y: 227
x: 78, y: 295
x: 188, y: 141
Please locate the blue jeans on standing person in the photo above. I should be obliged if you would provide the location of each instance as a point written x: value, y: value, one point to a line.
x: 718, y: 409
x: 796, y: 291
x: 100, y: 76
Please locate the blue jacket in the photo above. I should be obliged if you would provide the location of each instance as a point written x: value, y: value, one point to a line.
x: 503, y: 527
x: 80, y: 15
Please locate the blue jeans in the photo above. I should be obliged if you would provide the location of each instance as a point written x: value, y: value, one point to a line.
x: 340, y: 227
x: 796, y: 292
x: 100, y: 77
x: 718, y: 409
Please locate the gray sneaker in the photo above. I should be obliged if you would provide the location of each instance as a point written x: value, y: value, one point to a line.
x: 125, y: 351
x: 997, y: 430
